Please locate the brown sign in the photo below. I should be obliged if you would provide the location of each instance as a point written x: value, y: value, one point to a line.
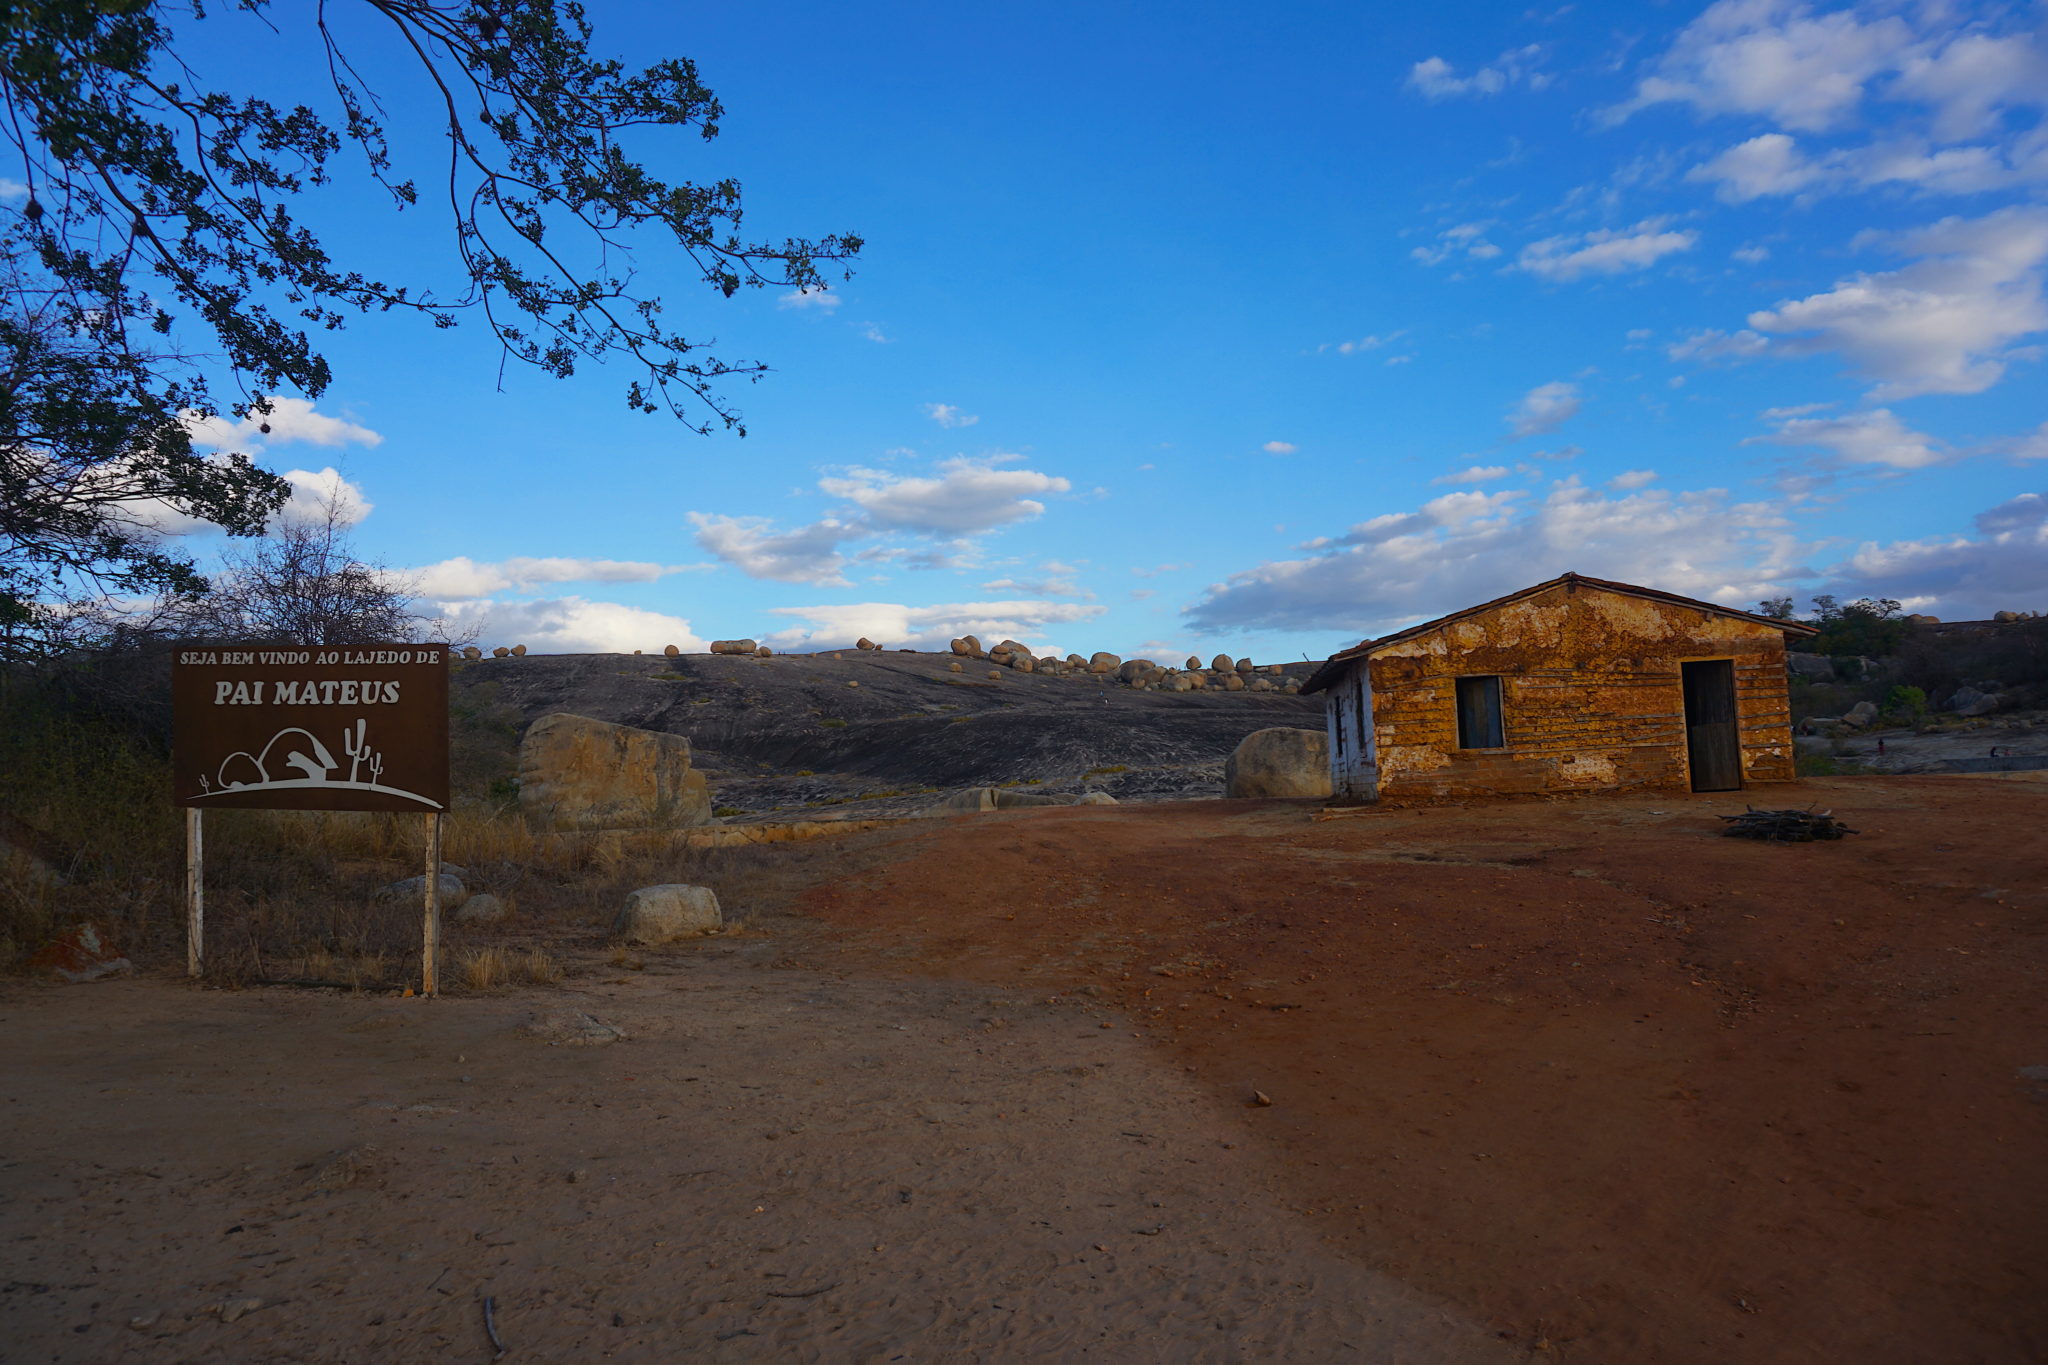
x: 343, y: 727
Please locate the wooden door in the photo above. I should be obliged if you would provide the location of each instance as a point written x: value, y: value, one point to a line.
x: 1711, y: 740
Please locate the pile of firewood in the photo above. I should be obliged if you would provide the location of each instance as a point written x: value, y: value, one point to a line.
x: 1785, y: 826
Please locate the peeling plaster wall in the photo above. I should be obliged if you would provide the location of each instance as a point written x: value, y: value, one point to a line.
x: 1591, y: 697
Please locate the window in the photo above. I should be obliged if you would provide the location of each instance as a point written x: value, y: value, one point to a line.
x: 1479, y: 724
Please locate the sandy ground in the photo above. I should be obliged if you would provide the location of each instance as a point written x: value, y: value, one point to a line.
x: 777, y: 1164
x: 1575, y: 1081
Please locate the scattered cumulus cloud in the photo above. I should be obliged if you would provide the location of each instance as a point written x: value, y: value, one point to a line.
x: 1774, y: 59
x: 1544, y: 408
x: 2003, y: 566
x: 1475, y: 474
x: 1279, y: 447
x: 1467, y: 240
x: 946, y: 415
x: 1876, y: 437
x: 573, y: 625
x: 290, y: 421
x: 1469, y: 547
x: 811, y: 296
x: 897, y: 625
x: 808, y: 554
x: 1436, y: 79
x: 1043, y: 587
x: 966, y: 497
x: 1630, y: 479
x: 463, y: 577
x: 1604, y: 252
x: 1943, y: 324
x: 1363, y: 344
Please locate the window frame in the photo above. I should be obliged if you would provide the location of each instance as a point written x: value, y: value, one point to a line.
x: 1497, y: 708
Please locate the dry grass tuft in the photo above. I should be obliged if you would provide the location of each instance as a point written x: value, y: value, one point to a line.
x: 484, y: 969
x: 539, y: 967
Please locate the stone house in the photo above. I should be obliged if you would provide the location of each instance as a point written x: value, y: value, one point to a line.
x: 1571, y: 685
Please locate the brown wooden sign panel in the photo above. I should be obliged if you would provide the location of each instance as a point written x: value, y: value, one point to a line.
x: 343, y: 727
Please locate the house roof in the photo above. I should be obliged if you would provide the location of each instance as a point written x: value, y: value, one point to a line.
x: 1334, y: 665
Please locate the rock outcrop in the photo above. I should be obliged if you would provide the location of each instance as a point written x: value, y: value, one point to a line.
x: 1279, y: 762
x: 579, y: 773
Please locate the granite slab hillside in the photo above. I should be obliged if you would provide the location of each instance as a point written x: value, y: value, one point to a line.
x: 806, y: 729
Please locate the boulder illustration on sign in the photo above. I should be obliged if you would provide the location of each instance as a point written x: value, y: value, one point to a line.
x: 293, y: 750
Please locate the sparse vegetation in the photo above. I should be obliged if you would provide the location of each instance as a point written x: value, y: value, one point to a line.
x: 832, y: 723
x: 1105, y: 771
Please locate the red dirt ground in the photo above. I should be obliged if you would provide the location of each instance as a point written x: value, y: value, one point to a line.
x: 1632, y: 1091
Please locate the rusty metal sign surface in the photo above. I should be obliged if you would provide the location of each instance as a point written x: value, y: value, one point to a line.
x: 354, y: 727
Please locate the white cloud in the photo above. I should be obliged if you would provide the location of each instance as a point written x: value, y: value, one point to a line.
x: 810, y: 296
x: 1971, y: 79
x: 1455, y: 551
x: 1362, y: 344
x: 1279, y: 447
x: 463, y: 577
x: 2003, y: 567
x: 967, y: 496
x: 1813, y: 73
x: 1437, y: 79
x: 1605, y: 252
x: 1158, y: 569
x: 318, y: 493
x: 896, y: 625
x: 1751, y: 255
x: 1044, y: 587
x: 1940, y: 325
x: 1713, y: 345
x: 1776, y: 59
x: 1475, y: 474
x: 1630, y: 479
x: 808, y: 554
x: 289, y: 420
x: 1463, y: 239
x: 2032, y: 446
x: 946, y: 415
x: 572, y: 625
x: 1544, y: 408
x: 873, y: 332
x: 1767, y: 164
x: 1875, y: 437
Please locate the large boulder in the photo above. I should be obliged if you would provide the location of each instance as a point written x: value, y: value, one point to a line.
x: 1102, y: 661
x: 1279, y: 762
x: 1818, y: 666
x: 1861, y: 715
x: 413, y: 890
x: 483, y: 908
x: 1970, y: 701
x: 1132, y: 669
x: 579, y: 773
x: 663, y: 914
x: 962, y: 647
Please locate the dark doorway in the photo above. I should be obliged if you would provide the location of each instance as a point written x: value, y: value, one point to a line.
x: 1711, y: 742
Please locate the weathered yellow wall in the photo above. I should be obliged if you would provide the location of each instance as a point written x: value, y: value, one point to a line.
x: 1590, y: 693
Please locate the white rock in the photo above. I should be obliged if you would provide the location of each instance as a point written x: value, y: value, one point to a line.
x: 663, y: 914
x: 1279, y: 762
x: 482, y: 908
x: 451, y: 889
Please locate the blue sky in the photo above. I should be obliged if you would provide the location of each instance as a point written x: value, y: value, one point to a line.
x: 1187, y: 328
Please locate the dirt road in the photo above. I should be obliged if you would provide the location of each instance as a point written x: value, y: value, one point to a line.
x: 1578, y: 1081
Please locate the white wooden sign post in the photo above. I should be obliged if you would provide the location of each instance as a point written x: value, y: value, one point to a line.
x: 297, y: 727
